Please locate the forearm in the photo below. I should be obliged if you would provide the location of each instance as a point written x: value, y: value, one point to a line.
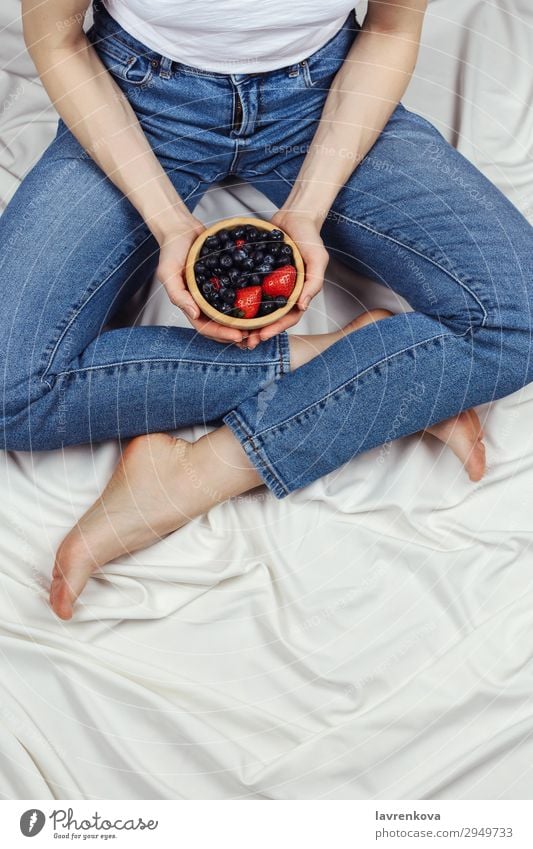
x: 99, y: 115
x: 363, y: 96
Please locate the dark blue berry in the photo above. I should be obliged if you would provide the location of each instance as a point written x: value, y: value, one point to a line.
x: 276, y: 235
x: 228, y: 295
x: 226, y: 260
x: 239, y: 256
x: 266, y: 307
x: 223, y: 236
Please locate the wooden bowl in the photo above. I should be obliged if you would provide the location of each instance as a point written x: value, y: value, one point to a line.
x: 230, y: 320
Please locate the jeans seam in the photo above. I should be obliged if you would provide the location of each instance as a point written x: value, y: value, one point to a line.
x: 166, y: 360
x: 434, y: 262
x: 80, y: 308
x: 284, y: 356
x: 256, y: 454
x: 357, y: 376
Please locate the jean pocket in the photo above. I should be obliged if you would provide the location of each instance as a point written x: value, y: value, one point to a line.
x: 121, y: 60
x: 320, y: 68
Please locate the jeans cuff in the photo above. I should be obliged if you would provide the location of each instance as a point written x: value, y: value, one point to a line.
x: 255, y: 453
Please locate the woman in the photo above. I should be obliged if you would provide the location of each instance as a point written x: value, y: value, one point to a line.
x: 161, y: 100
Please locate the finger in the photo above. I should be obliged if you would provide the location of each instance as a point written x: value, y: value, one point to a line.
x: 289, y: 320
x: 173, y: 281
x: 316, y: 263
x: 253, y: 340
x: 217, y: 332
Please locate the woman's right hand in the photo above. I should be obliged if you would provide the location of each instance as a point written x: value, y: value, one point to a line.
x: 174, y: 246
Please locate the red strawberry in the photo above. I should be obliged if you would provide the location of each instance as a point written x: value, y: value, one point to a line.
x: 280, y: 281
x: 240, y: 242
x: 215, y: 282
x: 248, y: 300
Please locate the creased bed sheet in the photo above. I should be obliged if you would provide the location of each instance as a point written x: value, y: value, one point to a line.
x: 369, y: 637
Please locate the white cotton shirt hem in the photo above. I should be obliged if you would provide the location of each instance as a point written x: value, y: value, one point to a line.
x: 233, y: 50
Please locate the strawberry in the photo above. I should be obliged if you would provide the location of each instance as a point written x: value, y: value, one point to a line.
x: 215, y: 282
x: 280, y: 281
x: 247, y: 300
x: 240, y: 242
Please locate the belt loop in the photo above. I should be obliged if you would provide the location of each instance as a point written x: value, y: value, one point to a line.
x: 165, y: 68
x: 294, y: 70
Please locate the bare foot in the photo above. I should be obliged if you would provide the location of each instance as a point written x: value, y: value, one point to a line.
x: 159, y: 484
x: 464, y: 435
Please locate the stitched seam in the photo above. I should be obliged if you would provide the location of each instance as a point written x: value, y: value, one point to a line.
x: 420, y: 254
x: 198, y: 184
x: 79, y: 310
x: 164, y: 360
x: 249, y: 446
x: 360, y: 374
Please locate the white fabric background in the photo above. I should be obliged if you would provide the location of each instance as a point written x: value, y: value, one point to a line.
x: 370, y: 636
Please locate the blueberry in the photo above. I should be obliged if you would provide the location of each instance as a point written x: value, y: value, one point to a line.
x: 239, y: 256
x: 276, y: 235
x: 266, y: 307
x: 234, y: 275
x: 280, y: 301
x: 223, y: 236
x: 200, y: 278
x: 255, y: 280
x: 204, y: 250
x: 224, y: 280
x: 286, y: 251
x: 228, y: 295
x: 199, y: 268
x: 241, y: 282
x: 226, y: 260
x: 248, y: 264
x: 252, y: 233
x: 264, y: 268
x: 225, y: 308
x: 238, y: 232
x: 207, y: 289
x: 212, y: 243
x: 258, y: 257
x: 211, y: 262
x: 268, y: 259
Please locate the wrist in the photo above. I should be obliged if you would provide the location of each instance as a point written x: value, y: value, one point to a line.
x: 302, y: 210
x: 168, y: 223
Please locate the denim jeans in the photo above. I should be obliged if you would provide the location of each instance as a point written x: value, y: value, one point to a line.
x: 415, y: 216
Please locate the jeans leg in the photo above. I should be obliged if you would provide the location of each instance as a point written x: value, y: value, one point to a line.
x: 73, y: 249
x: 424, y: 222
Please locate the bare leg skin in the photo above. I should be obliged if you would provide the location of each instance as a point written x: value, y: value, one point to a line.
x: 161, y: 482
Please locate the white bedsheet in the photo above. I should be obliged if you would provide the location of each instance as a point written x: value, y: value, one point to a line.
x: 370, y: 636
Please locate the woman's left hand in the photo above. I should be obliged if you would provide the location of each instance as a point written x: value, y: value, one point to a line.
x: 305, y: 231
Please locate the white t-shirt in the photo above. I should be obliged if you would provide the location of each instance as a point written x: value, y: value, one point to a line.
x: 232, y: 36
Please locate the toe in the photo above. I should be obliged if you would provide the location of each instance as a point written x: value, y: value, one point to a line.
x: 69, y: 576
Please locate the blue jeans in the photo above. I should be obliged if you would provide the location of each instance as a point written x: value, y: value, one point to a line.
x: 415, y: 215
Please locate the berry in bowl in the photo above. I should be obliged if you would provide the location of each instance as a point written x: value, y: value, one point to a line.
x: 244, y: 272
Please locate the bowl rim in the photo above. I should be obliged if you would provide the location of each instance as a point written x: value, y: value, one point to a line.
x: 233, y: 321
